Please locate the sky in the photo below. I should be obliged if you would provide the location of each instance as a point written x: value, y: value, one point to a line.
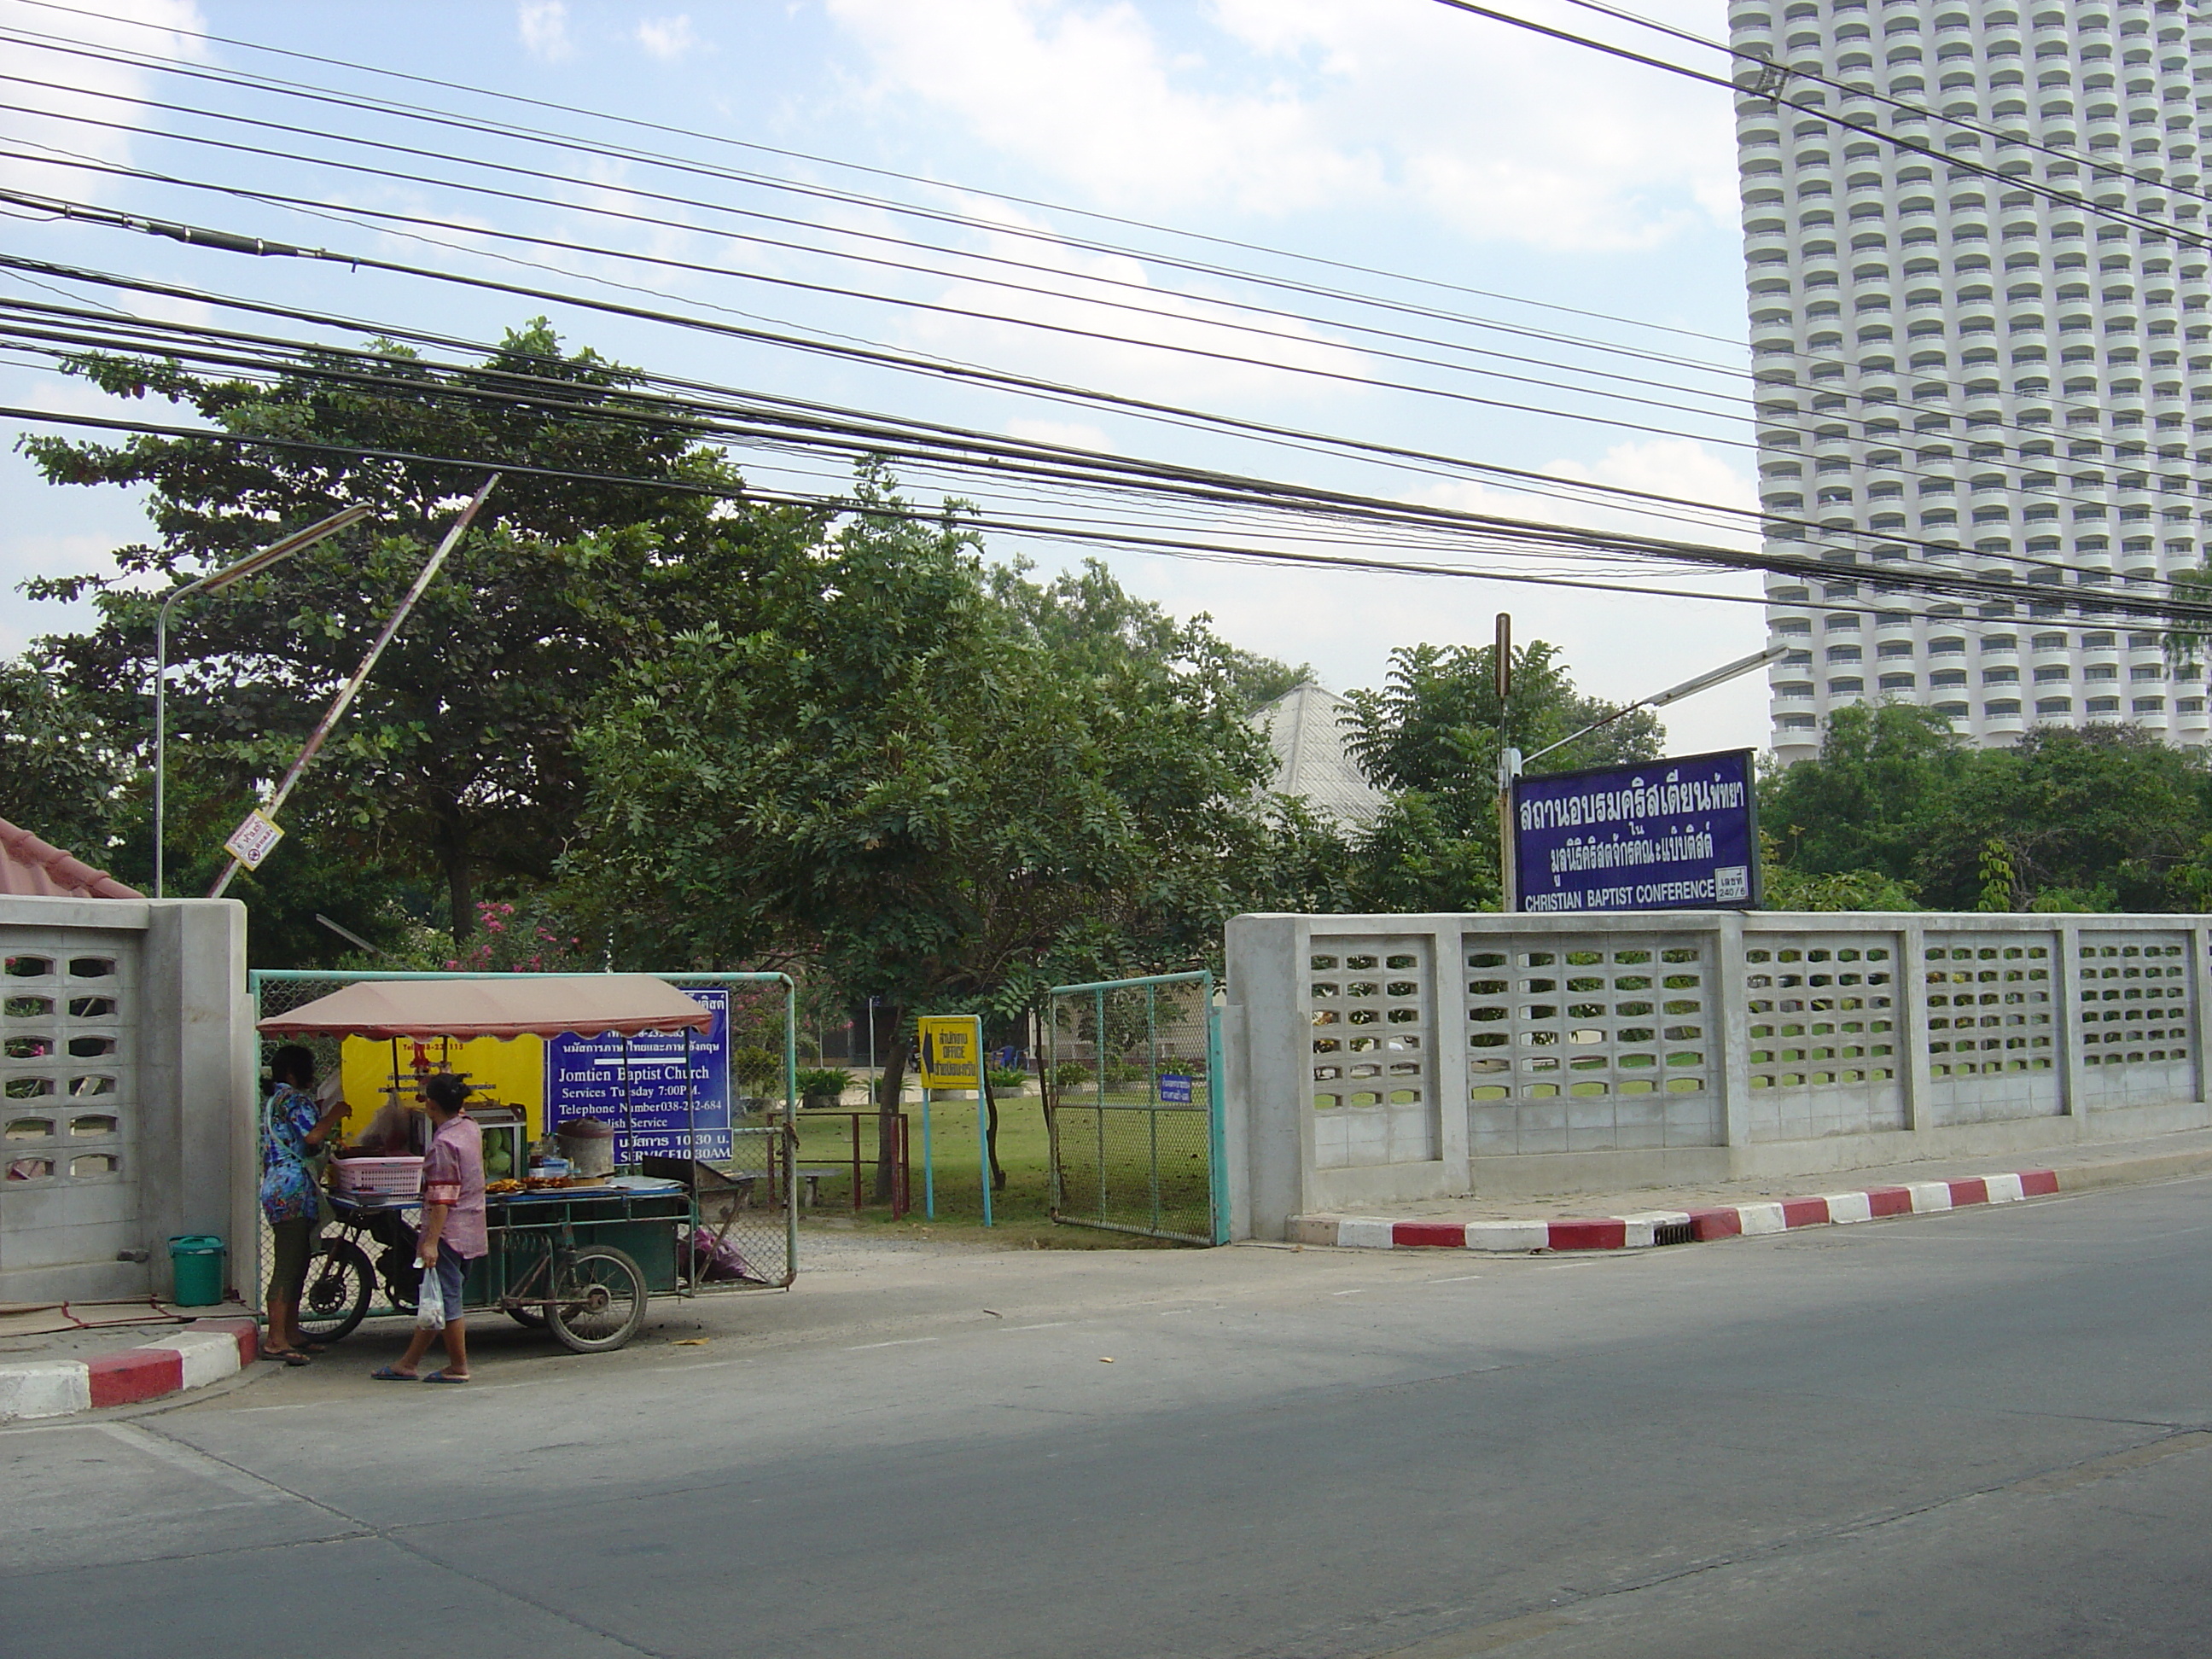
x: 1472, y: 188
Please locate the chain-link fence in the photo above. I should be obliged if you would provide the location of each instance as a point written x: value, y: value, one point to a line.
x: 747, y: 1199
x: 1132, y: 1071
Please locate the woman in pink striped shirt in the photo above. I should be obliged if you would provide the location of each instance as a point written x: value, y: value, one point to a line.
x: 452, y: 1227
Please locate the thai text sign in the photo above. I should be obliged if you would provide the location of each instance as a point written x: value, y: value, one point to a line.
x: 951, y: 1049
x: 1665, y: 835
x: 587, y: 1076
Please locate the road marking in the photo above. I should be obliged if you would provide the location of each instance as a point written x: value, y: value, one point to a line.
x: 177, y: 1456
x: 1048, y: 1325
x: 902, y: 1342
x: 1457, y: 1279
x: 1361, y: 1290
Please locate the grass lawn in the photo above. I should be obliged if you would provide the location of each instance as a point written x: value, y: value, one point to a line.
x: 1021, y: 1210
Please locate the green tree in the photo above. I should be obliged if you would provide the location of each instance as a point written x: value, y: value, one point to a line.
x: 65, y: 777
x: 1430, y: 735
x: 944, y: 788
x: 1862, y: 804
x: 2102, y: 818
x: 459, y: 762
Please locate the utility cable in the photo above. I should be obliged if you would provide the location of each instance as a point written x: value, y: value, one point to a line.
x: 1796, y: 564
x: 1748, y: 376
x: 413, y: 108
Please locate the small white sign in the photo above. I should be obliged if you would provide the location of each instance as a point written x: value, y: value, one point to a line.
x: 253, y: 839
x: 1732, y: 883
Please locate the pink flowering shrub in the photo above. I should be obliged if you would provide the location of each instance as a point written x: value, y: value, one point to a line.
x: 511, y: 939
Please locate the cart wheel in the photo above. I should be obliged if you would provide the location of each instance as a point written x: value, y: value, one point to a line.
x: 601, y: 1302
x: 531, y: 1318
x: 336, y: 1297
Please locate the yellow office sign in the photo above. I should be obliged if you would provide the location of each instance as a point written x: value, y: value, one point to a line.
x: 951, y: 1051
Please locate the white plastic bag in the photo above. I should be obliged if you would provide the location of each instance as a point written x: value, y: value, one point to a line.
x: 430, y: 1312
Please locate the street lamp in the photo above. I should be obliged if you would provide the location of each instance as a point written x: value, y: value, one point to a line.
x: 1511, y: 761
x: 253, y: 564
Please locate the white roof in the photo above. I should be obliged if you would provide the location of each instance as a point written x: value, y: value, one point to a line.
x: 1305, y: 728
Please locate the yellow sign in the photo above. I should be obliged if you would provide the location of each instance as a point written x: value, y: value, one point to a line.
x: 951, y: 1051
x: 510, y: 1070
x: 254, y: 840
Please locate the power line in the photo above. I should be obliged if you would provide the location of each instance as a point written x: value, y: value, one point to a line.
x: 415, y: 110
x: 936, y: 307
x: 1750, y: 377
x: 236, y: 243
x: 1088, y: 279
x: 1369, y: 512
x: 1644, y: 500
x: 2003, y: 139
x: 2016, y: 181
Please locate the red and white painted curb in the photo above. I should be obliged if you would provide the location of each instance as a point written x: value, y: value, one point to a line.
x: 194, y: 1356
x: 1642, y: 1229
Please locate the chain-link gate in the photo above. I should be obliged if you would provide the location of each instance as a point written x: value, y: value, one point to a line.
x: 753, y: 1208
x: 1133, y: 1100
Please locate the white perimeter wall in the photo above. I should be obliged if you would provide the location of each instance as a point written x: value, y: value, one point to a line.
x: 1375, y: 1058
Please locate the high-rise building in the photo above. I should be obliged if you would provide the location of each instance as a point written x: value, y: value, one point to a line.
x: 1958, y: 373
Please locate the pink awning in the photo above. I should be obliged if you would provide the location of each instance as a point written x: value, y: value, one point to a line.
x: 542, y: 1004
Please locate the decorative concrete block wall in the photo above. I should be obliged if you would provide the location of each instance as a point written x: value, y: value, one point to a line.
x: 1384, y: 1057
x: 126, y: 1091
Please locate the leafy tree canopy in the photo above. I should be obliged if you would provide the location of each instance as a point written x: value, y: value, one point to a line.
x: 1430, y: 735
x: 2106, y: 817
x: 458, y: 762
x: 951, y: 787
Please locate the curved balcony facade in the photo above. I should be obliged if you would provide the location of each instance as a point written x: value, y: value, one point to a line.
x: 1985, y: 379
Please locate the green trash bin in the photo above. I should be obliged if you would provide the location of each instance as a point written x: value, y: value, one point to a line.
x: 196, y: 1261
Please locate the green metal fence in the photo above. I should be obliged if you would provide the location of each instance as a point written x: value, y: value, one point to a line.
x: 1132, y: 1070
x: 765, y: 1231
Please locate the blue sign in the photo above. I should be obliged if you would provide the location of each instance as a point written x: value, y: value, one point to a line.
x: 1174, y: 1091
x: 1664, y: 834
x: 585, y: 1077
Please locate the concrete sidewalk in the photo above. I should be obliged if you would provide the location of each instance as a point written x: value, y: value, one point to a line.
x: 1769, y: 1204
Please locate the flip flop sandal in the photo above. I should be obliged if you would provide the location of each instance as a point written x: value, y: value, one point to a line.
x: 386, y: 1374
x: 287, y: 1356
x: 441, y: 1377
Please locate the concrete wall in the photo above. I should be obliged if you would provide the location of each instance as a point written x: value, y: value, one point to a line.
x: 1403, y: 1057
x: 127, y: 1065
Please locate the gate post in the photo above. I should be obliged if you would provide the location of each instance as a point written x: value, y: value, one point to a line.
x: 1217, y: 1110
x: 1266, y: 955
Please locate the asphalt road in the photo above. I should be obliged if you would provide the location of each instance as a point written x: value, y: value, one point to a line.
x: 1988, y: 1432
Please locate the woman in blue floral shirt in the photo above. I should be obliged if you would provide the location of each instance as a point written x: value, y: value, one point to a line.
x: 293, y: 1129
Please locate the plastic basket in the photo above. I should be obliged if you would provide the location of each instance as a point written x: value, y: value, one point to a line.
x: 385, y: 1177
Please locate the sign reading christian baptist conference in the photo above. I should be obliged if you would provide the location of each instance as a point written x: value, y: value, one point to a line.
x: 1664, y: 834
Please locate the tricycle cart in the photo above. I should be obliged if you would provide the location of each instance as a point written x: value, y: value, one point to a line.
x: 580, y: 1259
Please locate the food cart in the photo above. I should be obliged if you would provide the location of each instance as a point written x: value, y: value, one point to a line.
x: 579, y: 1254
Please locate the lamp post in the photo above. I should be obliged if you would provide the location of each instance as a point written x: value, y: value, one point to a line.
x: 267, y: 814
x: 1512, y: 760
x: 253, y: 564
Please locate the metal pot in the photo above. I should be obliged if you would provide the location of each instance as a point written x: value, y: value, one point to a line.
x: 588, y: 1145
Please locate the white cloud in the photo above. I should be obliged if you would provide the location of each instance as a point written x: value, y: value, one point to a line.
x: 669, y: 38
x: 50, y: 85
x: 544, y: 26
x: 1103, y: 323
x: 1319, y: 104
